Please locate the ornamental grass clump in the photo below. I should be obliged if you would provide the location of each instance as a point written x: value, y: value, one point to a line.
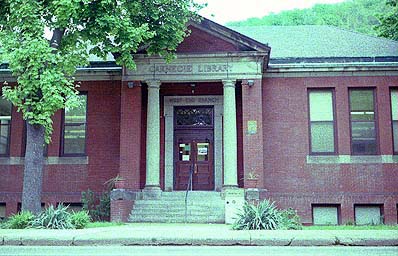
x: 20, y: 220
x: 80, y: 219
x: 54, y: 218
x: 265, y: 215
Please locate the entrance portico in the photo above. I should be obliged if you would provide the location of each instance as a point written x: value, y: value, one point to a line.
x: 217, y: 62
x: 225, y: 69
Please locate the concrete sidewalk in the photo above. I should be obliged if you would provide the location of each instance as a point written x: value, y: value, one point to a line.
x: 196, y: 234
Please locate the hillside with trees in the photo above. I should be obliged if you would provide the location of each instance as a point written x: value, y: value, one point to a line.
x: 356, y: 15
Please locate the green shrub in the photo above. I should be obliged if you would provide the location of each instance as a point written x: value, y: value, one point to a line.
x: 264, y: 215
x: 80, y: 219
x: 19, y: 221
x: 290, y: 219
x: 54, y: 218
x: 98, y: 208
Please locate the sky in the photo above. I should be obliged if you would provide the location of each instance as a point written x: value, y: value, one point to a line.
x: 222, y: 11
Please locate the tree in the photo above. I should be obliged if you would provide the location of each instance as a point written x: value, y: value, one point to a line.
x: 44, y: 67
x: 356, y: 15
x: 389, y: 21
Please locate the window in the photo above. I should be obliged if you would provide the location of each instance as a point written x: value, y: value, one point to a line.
x: 394, y: 118
x: 194, y: 117
x: 2, y: 211
x: 325, y: 214
x: 5, y: 123
x: 322, y: 125
x: 368, y: 214
x: 363, y: 122
x: 74, y: 129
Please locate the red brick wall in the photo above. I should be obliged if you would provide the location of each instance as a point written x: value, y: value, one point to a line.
x: 294, y: 183
x: 199, y: 41
x: 130, y: 135
x: 64, y: 183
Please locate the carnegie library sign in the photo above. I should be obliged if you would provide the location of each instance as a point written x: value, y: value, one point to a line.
x: 189, y: 68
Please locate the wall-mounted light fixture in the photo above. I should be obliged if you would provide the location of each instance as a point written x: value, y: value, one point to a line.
x: 133, y: 84
x: 250, y: 83
x: 130, y: 84
x: 193, y: 88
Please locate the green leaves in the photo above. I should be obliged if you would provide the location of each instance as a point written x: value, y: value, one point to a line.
x: 389, y: 21
x: 356, y: 15
x: 80, y: 27
x: 265, y: 215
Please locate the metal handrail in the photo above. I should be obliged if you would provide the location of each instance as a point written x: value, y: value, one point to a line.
x: 189, y: 186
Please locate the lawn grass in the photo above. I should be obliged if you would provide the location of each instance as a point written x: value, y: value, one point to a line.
x: 104, y: 224
x: 352, y: 227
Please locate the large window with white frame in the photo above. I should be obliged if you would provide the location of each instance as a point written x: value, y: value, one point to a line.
x: 363, y: 121
x: 5, y: 123
x: 394, y: 118
x: 73, y: 141
x: 322, y: 121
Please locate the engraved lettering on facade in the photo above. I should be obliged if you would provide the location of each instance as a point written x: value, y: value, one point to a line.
x: 189, y: 68
x: 175, y: 100
x: 207, y: 100
x: 185, y: 68
x: 214, y: 68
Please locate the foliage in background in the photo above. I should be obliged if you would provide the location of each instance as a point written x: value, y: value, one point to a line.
x: 389, y: 21
x: 356, y: 15
x: 291, y: 220
x: 265, y: 215
x: 19, y: 221
x: 54, y: 218
x: 80, y: 219
x: 98, y: 207
x: 44, y: 65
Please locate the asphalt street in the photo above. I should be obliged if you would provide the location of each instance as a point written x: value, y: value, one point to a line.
x: 195, y: 251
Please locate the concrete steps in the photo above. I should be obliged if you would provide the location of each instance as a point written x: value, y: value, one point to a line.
x: 202, y: 207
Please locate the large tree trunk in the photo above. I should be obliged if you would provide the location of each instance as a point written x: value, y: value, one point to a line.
x: 33, y: 172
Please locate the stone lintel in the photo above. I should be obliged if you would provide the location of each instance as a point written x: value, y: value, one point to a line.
x: 196, y: 68
x: 349, y: 159
x: 51, y: 160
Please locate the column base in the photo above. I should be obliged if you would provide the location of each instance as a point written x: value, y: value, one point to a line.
x: 122, y: 202
x: 226, y: 187
x: 151, y: 192
x: 234, y: 200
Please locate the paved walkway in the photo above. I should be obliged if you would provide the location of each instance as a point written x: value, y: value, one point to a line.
x: 196, y: 234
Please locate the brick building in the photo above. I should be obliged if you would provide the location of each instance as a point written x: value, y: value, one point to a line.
x: 314, y: 120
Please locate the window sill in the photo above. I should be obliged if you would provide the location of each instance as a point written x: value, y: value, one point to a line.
x: 51, y: 160
x: 349, y: 159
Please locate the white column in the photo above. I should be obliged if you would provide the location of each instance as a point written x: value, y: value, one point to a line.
x: 153, y: 136
x: 230, y: 135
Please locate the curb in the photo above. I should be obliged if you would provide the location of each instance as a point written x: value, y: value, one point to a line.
x: 199, y: 242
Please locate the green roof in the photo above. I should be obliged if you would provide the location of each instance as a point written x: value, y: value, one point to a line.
x: 319, y: 42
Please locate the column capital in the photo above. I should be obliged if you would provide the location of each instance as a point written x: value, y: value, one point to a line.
x: 153, y: 83
x: 229, y: 83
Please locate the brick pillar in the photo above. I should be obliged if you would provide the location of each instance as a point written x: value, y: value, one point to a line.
x: 130, y: 135
x: 253, y: 143
x: 390, y: 211
x: 120, y: 210
x: 130, y: 151
x: 347, y: 212
x: 17, y: 134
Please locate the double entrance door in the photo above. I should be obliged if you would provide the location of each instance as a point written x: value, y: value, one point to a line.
x: 193, y: 147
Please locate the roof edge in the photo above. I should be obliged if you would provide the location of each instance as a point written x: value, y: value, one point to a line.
x: 229, y: 34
